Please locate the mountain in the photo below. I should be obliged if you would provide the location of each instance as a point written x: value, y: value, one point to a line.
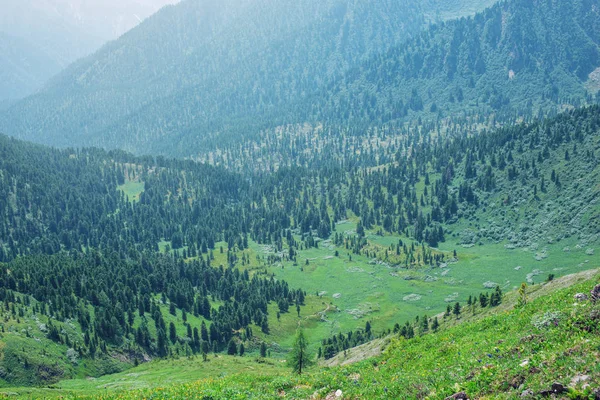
x: 39, y: 38
x: 24, y: 67
x: 516, y: 58
x: 200, y: 68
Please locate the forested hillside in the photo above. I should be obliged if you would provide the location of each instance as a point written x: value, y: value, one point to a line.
x: 517, y: 57
x: 208, y: 83
x: 114, y: 244
x: 355, y: 168
x: 199, y: 205
x: 194, y: 68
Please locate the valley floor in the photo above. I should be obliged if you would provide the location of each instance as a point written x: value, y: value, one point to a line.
x: 507, y: 352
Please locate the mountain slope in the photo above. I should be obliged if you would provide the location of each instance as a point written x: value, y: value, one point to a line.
x: 519, y: 352
x: 514, y: 58
x: 198, y: 69
x: 133, y: 235
x: 47, y: 35
x: 23, y: 67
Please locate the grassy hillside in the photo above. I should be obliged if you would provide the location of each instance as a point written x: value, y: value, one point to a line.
x: 502, y: 354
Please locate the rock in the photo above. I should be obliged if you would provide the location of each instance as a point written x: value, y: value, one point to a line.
x: 579, y: 379
x: 527, y: 393
x: 595, y: 293
x: 412, y: 297
x: 557, y: 388
x: 338, y: 393
x: 581, y: 297
x: 517, y: 381
x: 458, y: 396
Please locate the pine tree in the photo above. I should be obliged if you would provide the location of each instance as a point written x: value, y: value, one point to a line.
x: 299, y: 359
x: 232, y: 348
x: 172, y: 333
x: 522, y: 302
x: 456, y: 310
x: 435, y: 324
x: 483, y: 300
x: 263, y: 350
x: 425, y: 324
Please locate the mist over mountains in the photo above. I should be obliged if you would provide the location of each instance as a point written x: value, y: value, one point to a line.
x: 202, y: 72
x: 212, y: 62
x: 38, y: 38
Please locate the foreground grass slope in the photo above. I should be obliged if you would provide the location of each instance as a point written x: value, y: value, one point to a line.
x: 554, y: 338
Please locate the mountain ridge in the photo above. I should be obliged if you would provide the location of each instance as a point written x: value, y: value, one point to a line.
x: 294, y: 65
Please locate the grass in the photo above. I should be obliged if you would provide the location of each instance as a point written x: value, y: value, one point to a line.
x: 154, y: 375
x: 132, y: 189
x: 168, y: 372
x: 359, y: 290
x: 378, y: 292
x: 29, y: 358
x: 497, y: 356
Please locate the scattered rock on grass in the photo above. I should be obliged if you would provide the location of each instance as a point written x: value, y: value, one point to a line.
x: 581, y: 297
x: 458, y: 396
x: 579, y: 379
x: 532, y: 274
x: 527, y: 393
x: 490, y: 285
x: 412, y: 297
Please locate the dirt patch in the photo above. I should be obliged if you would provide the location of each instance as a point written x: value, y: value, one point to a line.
x: 359, y: 353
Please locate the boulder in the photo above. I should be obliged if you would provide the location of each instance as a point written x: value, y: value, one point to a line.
x: 527, y: 393
x: 581, y: 297
x: 595, y: 293
x: 557, y: 388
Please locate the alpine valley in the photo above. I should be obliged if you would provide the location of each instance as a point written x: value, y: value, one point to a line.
x: 334, y: 199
